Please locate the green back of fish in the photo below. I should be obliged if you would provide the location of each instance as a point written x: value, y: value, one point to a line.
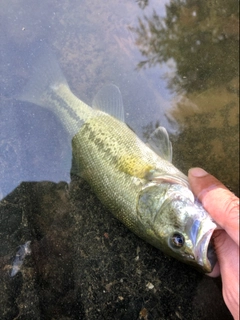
x: 107, y: 156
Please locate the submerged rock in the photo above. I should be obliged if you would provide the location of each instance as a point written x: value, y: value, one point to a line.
x: 86, y: 265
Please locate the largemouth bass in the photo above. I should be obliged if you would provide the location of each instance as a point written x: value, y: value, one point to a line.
x: 135, y: 181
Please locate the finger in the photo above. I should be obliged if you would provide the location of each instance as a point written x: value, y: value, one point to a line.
x: 216, y: 271
x: 225, y: 249
x: 220, y: 202
x: 228, y: 256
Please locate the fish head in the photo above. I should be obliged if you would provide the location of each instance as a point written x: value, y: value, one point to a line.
x: 176, y: 223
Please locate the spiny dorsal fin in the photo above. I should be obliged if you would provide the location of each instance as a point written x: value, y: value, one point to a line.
x: 109, y: 100
x: 159, y: 142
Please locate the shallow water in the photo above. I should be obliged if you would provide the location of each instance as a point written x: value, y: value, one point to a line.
x: 176, y: 66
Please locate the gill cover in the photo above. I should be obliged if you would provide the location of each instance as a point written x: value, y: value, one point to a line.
x: 177, y: 224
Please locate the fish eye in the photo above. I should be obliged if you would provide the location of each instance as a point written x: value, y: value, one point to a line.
x: 177, y: 240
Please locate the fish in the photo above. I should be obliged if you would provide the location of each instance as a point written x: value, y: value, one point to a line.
x: 136, y: 181
x: 21, y: 254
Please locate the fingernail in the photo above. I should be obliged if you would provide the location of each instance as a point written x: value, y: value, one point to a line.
x: 198, y: 172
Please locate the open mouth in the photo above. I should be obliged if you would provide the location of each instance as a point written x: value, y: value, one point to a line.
x: 205, y: 253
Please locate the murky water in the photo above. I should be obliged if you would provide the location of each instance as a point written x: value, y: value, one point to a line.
x: 176, y: 65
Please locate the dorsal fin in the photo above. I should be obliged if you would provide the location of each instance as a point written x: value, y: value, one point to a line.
x: 159, y: 142
x: 109, y: 100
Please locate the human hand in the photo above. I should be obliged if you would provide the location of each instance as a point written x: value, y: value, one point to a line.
x: 223, y: 206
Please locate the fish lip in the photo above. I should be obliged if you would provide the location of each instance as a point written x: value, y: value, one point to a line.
x: 204, y: 251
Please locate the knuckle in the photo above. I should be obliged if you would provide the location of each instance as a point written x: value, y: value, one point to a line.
x: 231, y: 208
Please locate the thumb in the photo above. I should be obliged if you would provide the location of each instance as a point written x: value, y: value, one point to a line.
x: 221, y: 203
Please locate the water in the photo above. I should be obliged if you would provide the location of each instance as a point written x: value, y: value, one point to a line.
x: 177, y: 67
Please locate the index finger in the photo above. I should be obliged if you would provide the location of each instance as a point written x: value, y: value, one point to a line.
x: 221, y: 203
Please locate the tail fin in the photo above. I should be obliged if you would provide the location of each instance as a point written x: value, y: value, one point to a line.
x: 48, y: 88
x: 46, y: 76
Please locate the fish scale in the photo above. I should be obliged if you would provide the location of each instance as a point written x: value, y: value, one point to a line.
x: 93, y: 157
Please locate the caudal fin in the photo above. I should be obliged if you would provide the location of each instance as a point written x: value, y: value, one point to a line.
x: 45, y: 77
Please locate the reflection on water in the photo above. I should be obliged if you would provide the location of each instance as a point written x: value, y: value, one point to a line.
x: 176, y: 66
x: 202, y: 40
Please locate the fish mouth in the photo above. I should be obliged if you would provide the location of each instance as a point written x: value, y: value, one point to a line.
x: 204, y: 251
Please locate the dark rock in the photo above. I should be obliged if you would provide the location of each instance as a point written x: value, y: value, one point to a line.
x: 86, y: 265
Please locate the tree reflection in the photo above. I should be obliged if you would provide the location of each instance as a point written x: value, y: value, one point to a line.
x: 142, y: 3
x: 201, y: 37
